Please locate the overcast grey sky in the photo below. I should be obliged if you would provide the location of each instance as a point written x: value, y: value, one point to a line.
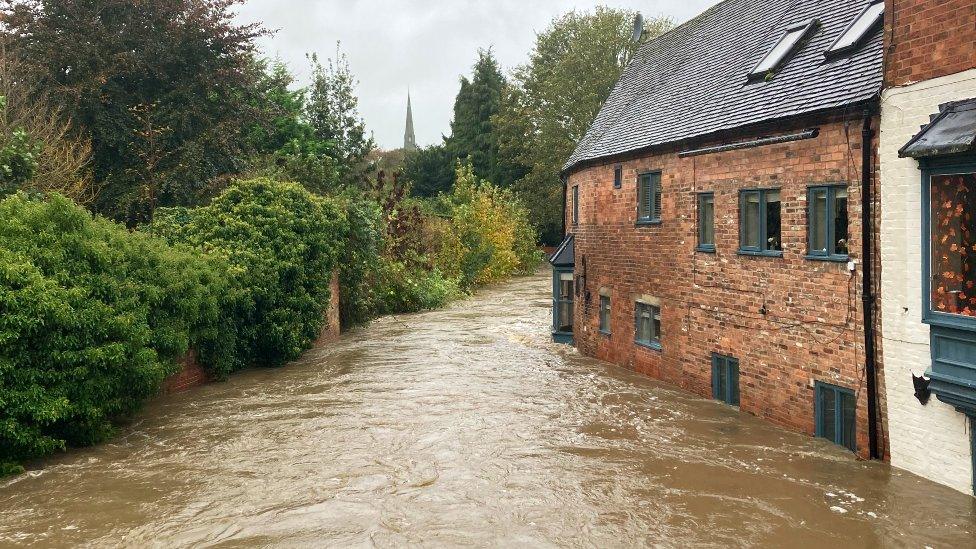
x: 426, y: 45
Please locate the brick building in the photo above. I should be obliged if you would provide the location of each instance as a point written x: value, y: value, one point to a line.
x: 715, y: 210
x: 928, y: 181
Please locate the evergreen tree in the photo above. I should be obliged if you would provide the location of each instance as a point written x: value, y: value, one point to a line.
x: 431, y: 170
x: 332, y: 111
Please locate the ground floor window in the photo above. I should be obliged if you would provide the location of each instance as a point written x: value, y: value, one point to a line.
x: 605, y: 314
x: 835, y: 414
x: 647, y: 323
x: 725, y: 379
x: 564, y: 303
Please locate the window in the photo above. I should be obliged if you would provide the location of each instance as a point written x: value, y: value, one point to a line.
x: 783, y: 48
x: 564, y: 303
x: 759, y: 222
x: 835, y: 413
x: 852, y: 36
x: 618, y: 176
x: 605, y: 314
x: 952, y: 244
x: 576, y: 205
x: 827, y: 223
x: 649, y: 198
x: 725, y: 379
x: 706, y: 222
x: 647, y: 325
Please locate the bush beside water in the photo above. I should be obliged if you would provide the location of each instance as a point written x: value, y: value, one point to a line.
x: 93, y: 316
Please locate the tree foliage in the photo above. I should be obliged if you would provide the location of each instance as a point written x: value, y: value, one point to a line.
x: 162, y: 88
x: 332, y: 111
x: 93, y: 319
x: 552, y: 100
x: 431, y: 170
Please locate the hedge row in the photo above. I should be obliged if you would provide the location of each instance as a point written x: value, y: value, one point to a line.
x: 93, y: 317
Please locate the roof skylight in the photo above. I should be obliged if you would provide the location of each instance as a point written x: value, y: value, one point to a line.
x: 858, y: 29
x: 786, y: 45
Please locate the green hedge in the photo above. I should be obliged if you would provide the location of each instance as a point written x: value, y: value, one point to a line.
x: 92, y: 318
x: 282, y: 244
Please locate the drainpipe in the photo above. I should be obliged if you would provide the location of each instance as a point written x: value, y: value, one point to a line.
x: 867, y: 291
x: 562, y: 220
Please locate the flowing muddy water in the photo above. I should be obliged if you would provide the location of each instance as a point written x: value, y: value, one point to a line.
x: 467, y: 427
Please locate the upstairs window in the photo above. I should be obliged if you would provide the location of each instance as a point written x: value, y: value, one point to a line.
x: 618, y: 176
x: 647, y: 324
x: 706, y: 222
x: 649, y: 198
x: 827, y: 223
x: 576, y: 205
x: 858, y: 30
x: 784, y: 48
x: 760, y: 230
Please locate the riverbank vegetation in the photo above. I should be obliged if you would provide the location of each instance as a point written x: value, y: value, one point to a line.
x: 162, y: 192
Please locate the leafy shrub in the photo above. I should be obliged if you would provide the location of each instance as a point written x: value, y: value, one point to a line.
x: 92, y: 318
x: 282, y: 244
x: 360, y: 261
x: 492, y: 226
x: 404, y: 289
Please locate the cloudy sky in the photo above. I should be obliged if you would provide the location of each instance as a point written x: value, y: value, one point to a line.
x: 423, y: 44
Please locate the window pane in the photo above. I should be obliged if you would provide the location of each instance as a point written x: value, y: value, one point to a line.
x: 721, y: 381
x: 860, y: 26
x: 566, y: 290
x: 656, y: 335
x: 575, y: 204
x: 605, y: 313
x: 706, y: 220
x: 645, y: 326
x: 840, y: 221
x: 750, y: 220
x: 734, y: 381
x: 618, y: 176
x: 818, y: 221
x: 828, y: 413
x: 644, y: 197
x: 565, y: 316
x: 847, y: 420
x: 779, y: 51
x: 953, y: 237
x: 773, y: 221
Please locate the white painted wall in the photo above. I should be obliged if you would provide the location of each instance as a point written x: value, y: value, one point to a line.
x: 932, y: 440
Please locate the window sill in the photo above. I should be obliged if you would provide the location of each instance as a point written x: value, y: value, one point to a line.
x: 605, y: 333
x: 647, y: 222
x: 829, y: 258
x: 705, y: 248
x: 758, y: 253
x: 648, y: 345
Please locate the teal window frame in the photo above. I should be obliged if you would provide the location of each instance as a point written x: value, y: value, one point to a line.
x: 605, y: 319
x: 830, y: 224
x: 708, y: 247
x: 649, y: 198
x: 655, y: 332
x: 763, y: 248
x: 725, y: 379
x: 836, y: 424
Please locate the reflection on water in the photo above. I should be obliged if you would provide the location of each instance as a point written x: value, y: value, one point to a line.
x: 467, y: 427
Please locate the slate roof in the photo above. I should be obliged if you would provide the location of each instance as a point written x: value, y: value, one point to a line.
x: 565, y: 254
x: 692, y: 81
x: 951, y: 131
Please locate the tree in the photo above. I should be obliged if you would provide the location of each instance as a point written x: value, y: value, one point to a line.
x: 332, y: 111
x: 162, y: 87
x: 431, y: 170
x: 284, y: 142
x: 472, y: 132
x: 551, y: 101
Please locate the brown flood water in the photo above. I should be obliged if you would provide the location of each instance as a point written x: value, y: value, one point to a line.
x: 467, y: 427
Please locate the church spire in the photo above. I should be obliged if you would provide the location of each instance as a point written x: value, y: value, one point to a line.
x: 409, y: 139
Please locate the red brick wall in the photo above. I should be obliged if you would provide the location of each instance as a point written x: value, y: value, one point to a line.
x: 191, y: 375
x: 926, y: 39
x: 711, y: 302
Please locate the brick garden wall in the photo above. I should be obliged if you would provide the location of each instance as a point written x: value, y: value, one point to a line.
x: 712, y: 302
x: 927, y: 39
